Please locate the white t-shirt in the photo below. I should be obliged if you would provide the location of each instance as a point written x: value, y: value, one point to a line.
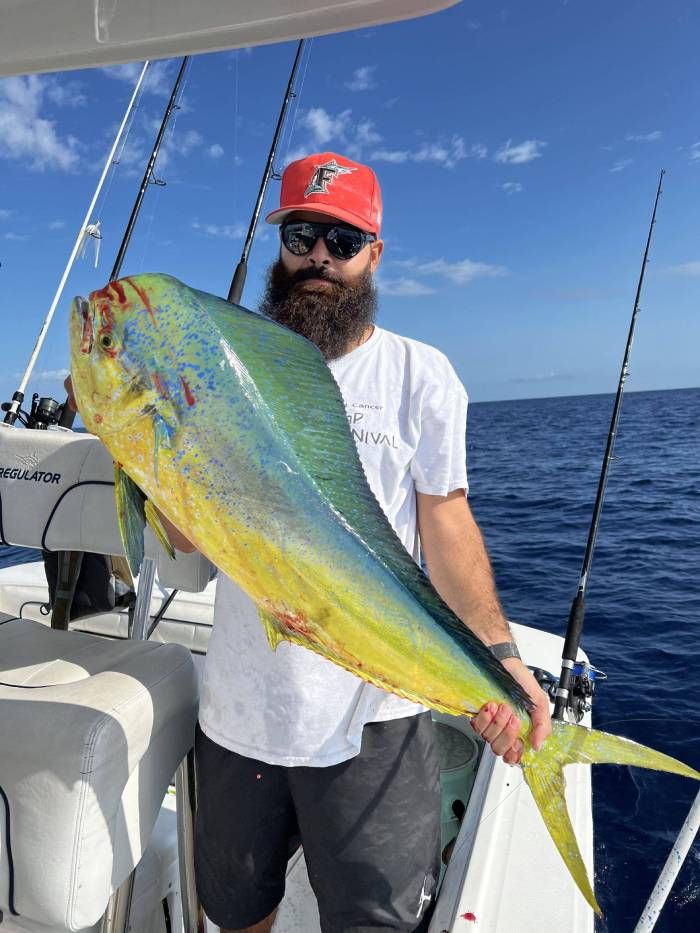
x: 407, y: 411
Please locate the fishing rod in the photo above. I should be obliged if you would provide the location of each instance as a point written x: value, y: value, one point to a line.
x: 12, y: 409
x: 576, y: 681
x: 239, y: 276
x: 148, y: 175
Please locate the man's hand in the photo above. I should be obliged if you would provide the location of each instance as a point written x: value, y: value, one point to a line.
x: 68, y: 386
x: 499, y: 725
x: 177, y: 539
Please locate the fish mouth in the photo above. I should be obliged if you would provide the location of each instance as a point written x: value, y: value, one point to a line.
x: 86, y: 315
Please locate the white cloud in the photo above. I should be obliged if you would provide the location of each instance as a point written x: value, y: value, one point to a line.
x: 215, y: 151
x: 520, y: 153
x: 138, y: 145
x: 26, y: 135
x: 362, y: 79
x: 542, y: 377
x: 463, y: 271
x: 447, y: 154
x: 158, y: 77
x: 695, y: 152
x: 57, y: 225
x: 365, y: 134
x: 187, y: 142
x: 65, y: 93
x: 644, y: 137
x: 324, y: 126
x: 5, y: 214
x: 397, y: 156
x: 227, y: 232
x: 357, y: 137
x: 512, y: 187
x: 621, y: 165
x: 406, y: 288
x: 17, y: 237
x: 459, y: 273
x: 51, y: 374
x: 685, y: 268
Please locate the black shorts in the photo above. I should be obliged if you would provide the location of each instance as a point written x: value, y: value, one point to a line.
x: 370, y: 828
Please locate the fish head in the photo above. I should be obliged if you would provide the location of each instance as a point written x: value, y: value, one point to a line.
x: 119, y: 348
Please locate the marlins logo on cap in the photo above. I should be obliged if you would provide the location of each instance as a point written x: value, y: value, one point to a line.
x: 323, y: 175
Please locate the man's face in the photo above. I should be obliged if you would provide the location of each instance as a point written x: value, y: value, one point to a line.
x: 330, y: 301
x: 320, y: 259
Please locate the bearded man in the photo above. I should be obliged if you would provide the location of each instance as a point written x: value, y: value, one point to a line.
x: 289, y: 746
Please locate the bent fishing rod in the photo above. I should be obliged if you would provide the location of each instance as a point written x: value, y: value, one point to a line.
x: 576, y: 682
x: 239, y: 276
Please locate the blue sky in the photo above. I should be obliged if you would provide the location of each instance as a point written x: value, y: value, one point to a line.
x: 518, y: 149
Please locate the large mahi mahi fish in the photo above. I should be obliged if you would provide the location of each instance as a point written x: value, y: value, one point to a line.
x: 233, y: 426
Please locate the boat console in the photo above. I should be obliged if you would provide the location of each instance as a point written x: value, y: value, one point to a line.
x: 57, y: 493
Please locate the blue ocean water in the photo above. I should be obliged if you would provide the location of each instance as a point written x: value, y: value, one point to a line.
x: 534, y: 468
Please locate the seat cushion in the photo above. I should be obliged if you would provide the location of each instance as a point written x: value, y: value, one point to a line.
x: 57, y: 492
x: 91, y: 732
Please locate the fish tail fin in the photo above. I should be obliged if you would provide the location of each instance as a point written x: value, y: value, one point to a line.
x: 570, y: 744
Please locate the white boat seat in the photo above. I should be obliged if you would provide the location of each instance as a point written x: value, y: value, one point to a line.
x: 91, y: 733
x: 57, y: 493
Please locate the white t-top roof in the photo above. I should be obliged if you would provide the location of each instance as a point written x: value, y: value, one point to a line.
x: 55, y: 35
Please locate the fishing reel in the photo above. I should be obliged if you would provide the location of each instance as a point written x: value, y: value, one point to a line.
x: 44, y: 413
x: 581, y: 686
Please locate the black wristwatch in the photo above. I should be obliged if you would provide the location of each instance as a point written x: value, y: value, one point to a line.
x: 505, y: 649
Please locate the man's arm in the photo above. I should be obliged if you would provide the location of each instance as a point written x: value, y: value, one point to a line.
x: 460, y: 571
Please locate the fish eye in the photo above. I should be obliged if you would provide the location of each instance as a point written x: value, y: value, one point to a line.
x: 106, y: 341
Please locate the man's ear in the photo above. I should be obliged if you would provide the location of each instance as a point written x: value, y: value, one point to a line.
x: 375, y: 252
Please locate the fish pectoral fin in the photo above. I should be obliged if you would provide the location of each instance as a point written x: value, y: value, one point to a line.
x: 271, y: 626
x: 130, y: 503
x: 163, y: 432
x: 156, y: 526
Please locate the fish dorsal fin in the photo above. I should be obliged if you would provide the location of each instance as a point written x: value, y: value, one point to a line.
x: 302, y: 396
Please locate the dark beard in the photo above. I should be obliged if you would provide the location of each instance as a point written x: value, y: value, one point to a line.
x: 333, y: 318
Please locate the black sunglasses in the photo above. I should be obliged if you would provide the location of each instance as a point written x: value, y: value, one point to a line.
x: 342, y: 240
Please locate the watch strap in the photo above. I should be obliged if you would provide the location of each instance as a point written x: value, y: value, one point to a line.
x: 505, y: 649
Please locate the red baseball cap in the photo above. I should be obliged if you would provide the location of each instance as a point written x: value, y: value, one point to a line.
x: 326, y: 183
